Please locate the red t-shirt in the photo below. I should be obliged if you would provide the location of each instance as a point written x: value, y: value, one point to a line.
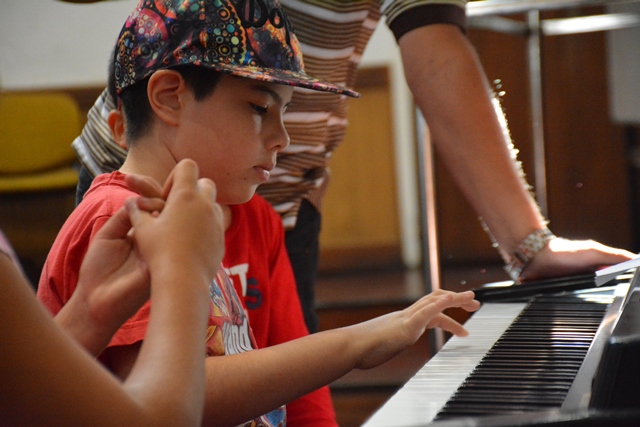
x: 256, y: 260
x: 266, y: 284
x: 228, y: 331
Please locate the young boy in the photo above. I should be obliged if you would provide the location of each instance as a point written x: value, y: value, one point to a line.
x: 257, y: 263
x: 210, y: 81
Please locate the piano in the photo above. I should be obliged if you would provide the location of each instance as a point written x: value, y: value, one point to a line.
x: 554, y: 353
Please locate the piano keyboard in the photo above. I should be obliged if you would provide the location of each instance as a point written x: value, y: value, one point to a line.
x: 426, y: 393
x: 518, y: 357
x: 533, y: 365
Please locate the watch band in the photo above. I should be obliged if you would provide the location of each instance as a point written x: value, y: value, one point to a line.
x: 526, y: 250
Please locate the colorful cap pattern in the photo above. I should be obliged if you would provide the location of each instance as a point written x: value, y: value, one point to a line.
x: 247, y: 38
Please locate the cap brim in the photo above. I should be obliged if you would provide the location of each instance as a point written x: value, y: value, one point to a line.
x: 284, y: 77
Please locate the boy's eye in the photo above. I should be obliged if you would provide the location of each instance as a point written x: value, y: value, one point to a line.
x: 259, y: 108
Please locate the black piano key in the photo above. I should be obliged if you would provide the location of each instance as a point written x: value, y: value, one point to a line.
x: 490, y: 409
x: 509, y: 397
x: 515, y: 384
x: 521, y: 374
x: 506, y: 401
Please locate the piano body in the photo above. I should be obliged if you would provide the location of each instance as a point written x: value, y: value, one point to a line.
x: 553, y: 353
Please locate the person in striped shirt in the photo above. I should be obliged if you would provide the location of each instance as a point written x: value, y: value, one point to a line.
x: 450, y: 88
x: 184, y: 71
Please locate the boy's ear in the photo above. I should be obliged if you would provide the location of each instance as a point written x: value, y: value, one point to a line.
x: 164, y: 92
x: 116, y: 124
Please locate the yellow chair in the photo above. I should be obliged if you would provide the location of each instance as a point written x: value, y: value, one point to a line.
x: 37, y: 177
x: 36, y: 131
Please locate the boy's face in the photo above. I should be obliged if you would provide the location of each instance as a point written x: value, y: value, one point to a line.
x: 235, y: 134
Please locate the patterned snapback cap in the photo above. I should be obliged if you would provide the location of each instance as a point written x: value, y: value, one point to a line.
x: 247, y: 38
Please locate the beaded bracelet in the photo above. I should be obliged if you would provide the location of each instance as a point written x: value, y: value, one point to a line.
x: 530, y: 246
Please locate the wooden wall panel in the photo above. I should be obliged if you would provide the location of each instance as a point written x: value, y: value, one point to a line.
x: 588, y: 175
x: 360, y: 217
x: 587, y: 166
x: 461, y: 237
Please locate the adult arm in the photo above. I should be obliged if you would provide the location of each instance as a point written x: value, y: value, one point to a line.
x: 47, y: 379
x: 449, y: 86
x: 166, y: 383
x: 182, y: 247
x: 36, y: 356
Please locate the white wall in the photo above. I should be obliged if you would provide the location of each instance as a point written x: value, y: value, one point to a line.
x: 49, y: 43
x: 53, y: 44
x: 382, y: 50
x: 624, y: 69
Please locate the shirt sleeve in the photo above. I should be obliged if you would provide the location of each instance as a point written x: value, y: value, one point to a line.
x: 403, y: 16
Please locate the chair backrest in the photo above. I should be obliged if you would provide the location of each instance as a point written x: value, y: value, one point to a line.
x: 36, y: 131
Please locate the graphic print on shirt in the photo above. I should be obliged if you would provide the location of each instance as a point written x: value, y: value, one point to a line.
x: 275, y: 418
x: 251, y: 292
x: 229, y: 332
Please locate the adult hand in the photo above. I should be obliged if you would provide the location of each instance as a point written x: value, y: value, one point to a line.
x: 189, y: 230
x: 562, y: 257
x: 151, y: 193
x: 113, y: 284
x: 114, y: 281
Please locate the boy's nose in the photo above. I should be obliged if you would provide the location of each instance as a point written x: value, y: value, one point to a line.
x: 280, y: 138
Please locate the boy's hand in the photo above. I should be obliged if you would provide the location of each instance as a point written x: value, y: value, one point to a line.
x: 394, y: 332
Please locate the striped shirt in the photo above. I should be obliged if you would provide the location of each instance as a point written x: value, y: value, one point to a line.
x: 332, y: 36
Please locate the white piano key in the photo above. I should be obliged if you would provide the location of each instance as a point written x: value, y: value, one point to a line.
x: 422, y: 397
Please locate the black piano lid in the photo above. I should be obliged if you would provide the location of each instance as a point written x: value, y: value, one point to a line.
x: 509, y: 291
x: 616, y: 383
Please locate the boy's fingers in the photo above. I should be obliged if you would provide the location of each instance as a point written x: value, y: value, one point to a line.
x: 464, y: 300
x: 472, y: 306
x: 460, y: 297
x: 431, y: 308
x: 456, y: 297
x: 448, y: 324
